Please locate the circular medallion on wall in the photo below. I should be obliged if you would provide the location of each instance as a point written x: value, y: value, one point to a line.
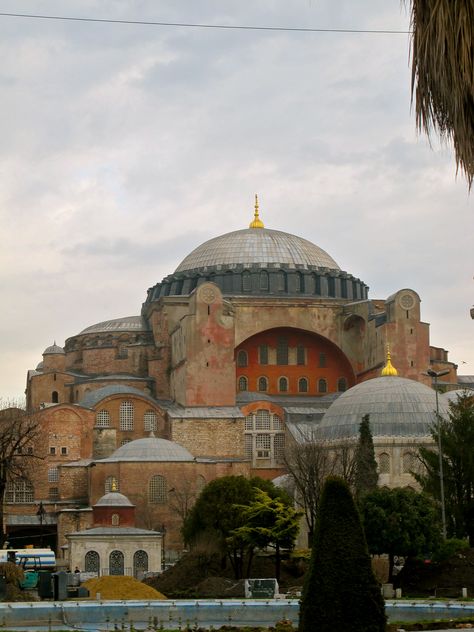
x: 207, y: 294
x: 407, y: 301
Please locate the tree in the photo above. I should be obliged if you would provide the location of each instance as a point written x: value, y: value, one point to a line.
x: 443, y: 73
x: 340, y: 591
x: 217, y: 513
x: 308, y: 463
x: 18, y: 433
x: 366, y: 476
x: 400, y: 522
x: 457, y: 445
x: 268, y: 522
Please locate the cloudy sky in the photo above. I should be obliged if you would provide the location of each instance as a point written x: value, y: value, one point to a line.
x: 123, y: 147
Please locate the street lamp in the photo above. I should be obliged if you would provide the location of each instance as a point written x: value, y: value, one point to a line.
x: 435, y: 375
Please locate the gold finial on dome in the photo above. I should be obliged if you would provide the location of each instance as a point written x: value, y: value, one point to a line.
x: 257, y: 222
x: 389, y: 369
x: 113, y: 486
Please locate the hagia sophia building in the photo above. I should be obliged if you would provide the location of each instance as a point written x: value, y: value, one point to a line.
x: 254, y: 341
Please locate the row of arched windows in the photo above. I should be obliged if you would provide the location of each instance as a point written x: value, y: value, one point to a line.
x: 283, y: 384
x: 282, y: 355
x: 116, y: 563
x: 127, y: 418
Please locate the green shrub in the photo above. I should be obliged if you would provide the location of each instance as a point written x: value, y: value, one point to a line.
x: 448, y: 548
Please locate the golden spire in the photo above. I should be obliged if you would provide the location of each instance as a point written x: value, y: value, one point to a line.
x: 389, y: 369
x: 113, y: 486
x: 257, y: 222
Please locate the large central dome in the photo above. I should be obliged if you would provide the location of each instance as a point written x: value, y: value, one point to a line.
x: 257, y: 247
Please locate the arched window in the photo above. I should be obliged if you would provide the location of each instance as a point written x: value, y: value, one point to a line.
x: 53, y: 474
x: 20, y: 491
x: 157, y: 490
x: 116, y: 565
x: 140, y: 564
x: 115, y: 520
x: 55, y: 397
x: 262, y: 384
x: 299, y: 282
x: 283, y: 385
x: 322, y: 386
x: 242, y: 358
x: 92, y: 562
x: 246, y: 281
x: 102, y: 419
x: 384, y: 463
x: 126, y: 416
x: 300, y: 355
x: 111, y: 484
x: 303, y: 385
x: 342, y: 384
x: 242, y: 383
x: 228, y: 282
x: 281, y: 281
x: 409, y: 462
x: 264, y: 280
x: 263, y: 354
x: 149, y: 421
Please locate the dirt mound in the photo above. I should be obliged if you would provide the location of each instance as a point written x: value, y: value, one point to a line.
x: 196, y: 575
x: 444, y: 579
x: 120, y: 587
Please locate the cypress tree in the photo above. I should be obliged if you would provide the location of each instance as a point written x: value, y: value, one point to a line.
x: 366, y: 476
x: 340, y: 591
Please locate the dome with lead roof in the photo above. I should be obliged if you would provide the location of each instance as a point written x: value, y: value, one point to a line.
x: 150, y: 449
x: 54, y: 349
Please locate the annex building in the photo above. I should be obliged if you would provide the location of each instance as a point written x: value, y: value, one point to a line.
x: 252, y: 338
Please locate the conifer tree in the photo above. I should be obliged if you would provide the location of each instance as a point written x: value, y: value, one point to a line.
x: 366, y: 476
x: 340, y: 591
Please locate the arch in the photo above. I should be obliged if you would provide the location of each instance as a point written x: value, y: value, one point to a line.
x: 115, y: 520
x: 111, y: 484
x: 243, y: 383
x: 140, y: 563
x: 157, y: 490
x: 55, y: 397
x: 126, y: 415
x: 283, y: 384
x: 303, y: 385
x: 409, y: 462
x: 322, y: 386
x: 92, y: 562
x: 384, y: 463
x: 264, y: 281
x: 102, y: 419
x: 246, y: 281
x: 150, y: 421
x: 116, y: 563
x: 262, y: 384
x: 242, y: 358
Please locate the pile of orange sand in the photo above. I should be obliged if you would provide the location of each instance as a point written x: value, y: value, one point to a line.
x: 120, y: 587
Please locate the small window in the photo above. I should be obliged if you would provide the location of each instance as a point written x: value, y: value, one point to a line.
x: 242, y: 383
x: 55, y: 397
x: 53, y: 494
x: 409, y: 462
x: 300, y: 355
x: 322, y: 386
x: 149, y: 421
x: 303, y: 385
x: 322, y: 360
x: 283, y: 385
x: 279, y: 447
x: 263, y: 354
x: 246, y: 281
x: 20, y: 491
x: 281, y: 281
x: 262, y: 384
x: 126, y: 415
x: 53, y: 474
x: 331, y: 287
x: 262, y: 446
x: 342, y: 384
x: 92, y: 562
x: 102, y: 419
x: 63, y: 451
x: 115, y: 520
x: 242, y: 359
x: 264, y: 280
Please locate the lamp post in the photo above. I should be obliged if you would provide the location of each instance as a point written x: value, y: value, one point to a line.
x: 435, y: 375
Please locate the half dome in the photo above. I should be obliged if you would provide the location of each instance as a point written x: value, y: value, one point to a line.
x: 257, y: 247
x: 398, y: 407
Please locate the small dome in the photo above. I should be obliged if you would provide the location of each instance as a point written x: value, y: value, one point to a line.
x: 452, y: 396
x: 128, y: 323
x: 150, y: 449
x: 54, y: 349
x: 260, y: 247
x: 40, y: 366
x: 114, y: 499
x: 398, y: 407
